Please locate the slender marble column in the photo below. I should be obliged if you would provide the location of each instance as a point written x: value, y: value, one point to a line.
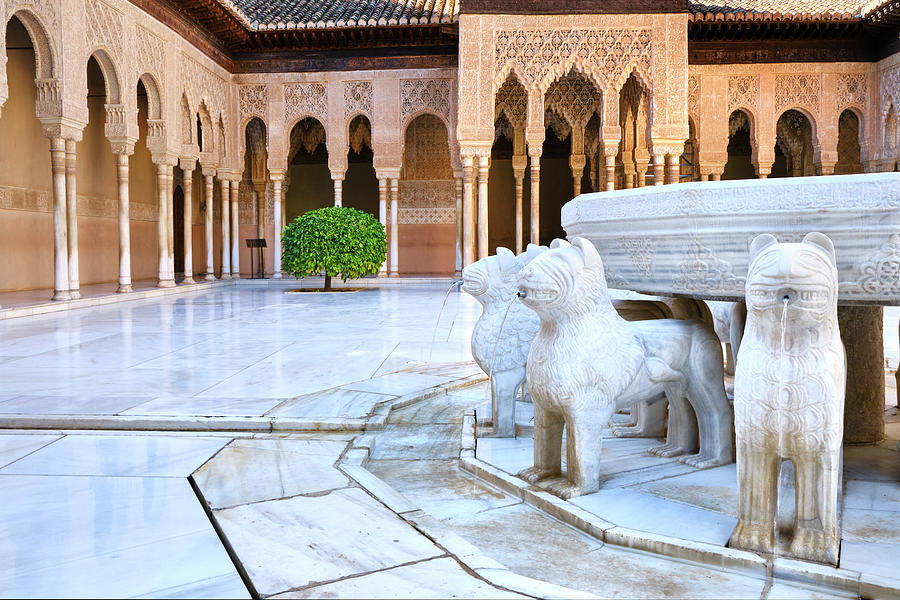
x: 659, y: 169
x: 188, y: 226
x: 483, y: 172
x: 535, y: 171
x: 161, y: 228
x: 235, y: 231
x: 673, y: 168
x: 170, y: 223
x: 468, y: 210
x: 124, y: 225
x: 382, y: 217
x: 276, y: 185
x: 338, y: 179
x: 72, y: 220
x: 458, y: 199
x: 60, y: 227
x: 610, y: 171
x: 226, y: 228
x: 210, y: 268
x: 520, y: 163
x: 395, y: 237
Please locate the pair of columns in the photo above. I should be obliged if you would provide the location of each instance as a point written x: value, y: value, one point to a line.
x: 230, y: 248
x: 475, y: 225
x: 388, y: 208
x: 65, y: 216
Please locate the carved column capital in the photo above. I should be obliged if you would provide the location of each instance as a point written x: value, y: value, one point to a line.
x: 60, y: 127
x: 187, y: 164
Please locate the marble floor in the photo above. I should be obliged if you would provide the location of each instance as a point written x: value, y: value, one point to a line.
x: 374, y: 513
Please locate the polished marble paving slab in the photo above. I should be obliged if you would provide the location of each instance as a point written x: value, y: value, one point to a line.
x: 68, y: 405
x: 119, y: 456
x: 436, y: 578
x: 208, y: 407
x: 105, y: 537
x: 338, y: 402
x: 286, y: 544
x: 399, y: 383
x: 646, y: 512
x: 418, y: 442
x: 251, y: 470
x: 14, y: 447
x: 872, y: 558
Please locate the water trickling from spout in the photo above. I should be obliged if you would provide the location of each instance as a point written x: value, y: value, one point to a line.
x: 440, y: 313
x: 497, y: 341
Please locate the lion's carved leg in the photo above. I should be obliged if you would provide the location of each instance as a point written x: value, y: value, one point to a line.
x: 548, y: 430
x: 503, y: 401
x: 706, y: 393
x: 682, y: 434
x: 755, y: 528
x: 815, y: 529
x: 651, y: 421
x: 584, y: 439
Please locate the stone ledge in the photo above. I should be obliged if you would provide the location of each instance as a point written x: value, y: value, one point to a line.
x: 114, y: 298
x: 697, y: 552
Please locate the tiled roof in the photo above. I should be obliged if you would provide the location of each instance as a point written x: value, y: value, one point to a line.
x: 764, y: 10
x: 263, y: 15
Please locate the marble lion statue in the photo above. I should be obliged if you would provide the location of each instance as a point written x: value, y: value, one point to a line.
x: 503, y: 334
x: 588, y: 362
x: 789, y: 396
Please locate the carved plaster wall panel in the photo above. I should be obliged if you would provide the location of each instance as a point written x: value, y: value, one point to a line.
x: 253, y: 101
x: 427, y: 202
x: 743, y: 91
x: 799, y: 89
x: 852, y: 90
x: 574, y: 98
x: 512, y: 102
x: 358, y: 98
x: 151, y: 52
x: 305, y: 100
x: 105, y: 28
x: 694, y: 95
x: 417, y: 95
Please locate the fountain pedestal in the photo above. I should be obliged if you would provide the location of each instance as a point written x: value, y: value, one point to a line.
x: 861, y: 332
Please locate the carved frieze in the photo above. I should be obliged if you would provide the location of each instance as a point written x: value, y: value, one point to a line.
x: 305, y: 100
x: 852, y: 90
x: 424, y: 94
x: 253, y: 101
x: 799, y: 89
x: 743, y: 91
x: 358, y: 97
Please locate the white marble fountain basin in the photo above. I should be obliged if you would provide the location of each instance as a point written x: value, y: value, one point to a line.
x: 693, y: 239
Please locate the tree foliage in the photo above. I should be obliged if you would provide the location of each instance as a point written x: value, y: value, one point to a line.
x: 335, y: 240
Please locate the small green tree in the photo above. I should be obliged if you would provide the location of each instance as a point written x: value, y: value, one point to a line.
x: 335, y: 240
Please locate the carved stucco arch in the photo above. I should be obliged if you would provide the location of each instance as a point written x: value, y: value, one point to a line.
x: 242, y: 128
x: 752, y: 119
x: 154, y: 96
x: 45, y: 56
x: 349, y: 120
x: 301, y: 117
x: 209, y: 129
x: 110, y: 72
x: 806, y: 112
x: 415, y: 115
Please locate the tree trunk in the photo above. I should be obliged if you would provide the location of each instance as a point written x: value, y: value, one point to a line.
x: 327, y: 283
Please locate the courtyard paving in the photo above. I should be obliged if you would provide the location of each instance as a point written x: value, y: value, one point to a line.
x: 380, y: 509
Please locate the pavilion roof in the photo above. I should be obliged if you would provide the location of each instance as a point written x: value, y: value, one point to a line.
x: 265, y: 15
x: 779, y: 10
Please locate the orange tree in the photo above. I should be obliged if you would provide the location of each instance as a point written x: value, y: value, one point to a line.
x: 337, y: 241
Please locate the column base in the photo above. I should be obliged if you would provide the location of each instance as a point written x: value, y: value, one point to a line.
x: 277, y: 275
x: 235, y: 275
x: 74, y: 295
x: 225, y: 277
x: 210, y: 277
x: 61, y: 295
x: 124, y: 288
x: 166, y: 283
x: 395, y: 274
x: 188, y: 280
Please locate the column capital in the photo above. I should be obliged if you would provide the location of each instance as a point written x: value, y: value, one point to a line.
x: 208, y: 170
x: 661, y: 147
x: 519, y: 164
x: 187, y: 164
x: 475, y: 149
x: 337, y: 175
x: 387, y: 173
x: 122, y: 145
x: 611, y: 148
x: 61, y: 127
x: 577, y: 161
x: 709, y: 168
x: 164, y: 158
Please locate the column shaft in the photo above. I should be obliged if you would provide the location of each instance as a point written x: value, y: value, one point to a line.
x: 395, y: 237
x: 72, y: 220
x: 673, y: 164
x: 610, y: 162
x: 124, y: 225
x: 659, y: 169
x: 338, y: 197
x: 276, y: 184
x: 188, y: 227
x: 519, y: 178
x: 235, y: 231
x: 60, y: 227
x: 382, y: 217
x: 162, y: 231
x: 226, y: 228
x: 170, y: 223
x: 534, y: 169
x: 468, y: 211
x: 861, y: 332
x: 210, y: 268
x: 483, y: 172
